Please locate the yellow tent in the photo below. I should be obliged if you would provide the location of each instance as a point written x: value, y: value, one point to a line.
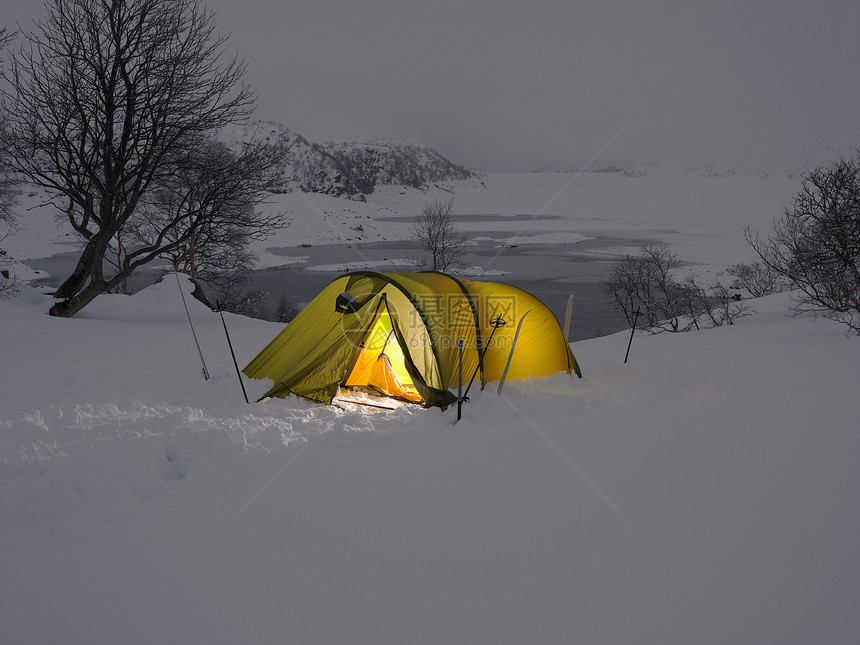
x: 396, y: 334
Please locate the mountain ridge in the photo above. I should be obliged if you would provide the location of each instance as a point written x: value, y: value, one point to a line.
x: 348, y: 169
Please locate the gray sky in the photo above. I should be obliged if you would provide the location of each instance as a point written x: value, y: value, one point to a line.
x: 517, y: 85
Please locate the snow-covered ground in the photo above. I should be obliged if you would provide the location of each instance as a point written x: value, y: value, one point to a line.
x: 704, y: 492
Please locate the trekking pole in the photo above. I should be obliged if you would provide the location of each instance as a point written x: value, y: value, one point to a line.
x: 460, y: 381
x: 636, y: 315
x: 233, y: 354
x: 495, y: 323
x: 511, y: 355
x: 193, y: 333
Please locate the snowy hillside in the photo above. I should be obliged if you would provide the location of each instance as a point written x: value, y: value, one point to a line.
x: 394, y: 162
x: 705, y: 491
x: 350, y: 170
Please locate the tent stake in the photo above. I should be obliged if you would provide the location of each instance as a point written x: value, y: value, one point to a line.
x: 233, y: 354
x: 193, y: 333
x: 636, y: 315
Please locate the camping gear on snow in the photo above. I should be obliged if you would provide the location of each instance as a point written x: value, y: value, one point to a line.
x: 396, y: 335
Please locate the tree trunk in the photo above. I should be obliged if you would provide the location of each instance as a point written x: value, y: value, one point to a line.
x: 75, y: 282
x: 69, y: 307
x: 89, y: 268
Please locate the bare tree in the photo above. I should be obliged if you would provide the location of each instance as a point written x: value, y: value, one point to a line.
x: 105, y: 97
x: 435, y: 232
x: 816, y: 244
x: 8, y: 197
x: 207, y: 214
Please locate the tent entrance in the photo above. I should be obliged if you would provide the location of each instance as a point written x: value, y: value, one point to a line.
x: 380, y: 365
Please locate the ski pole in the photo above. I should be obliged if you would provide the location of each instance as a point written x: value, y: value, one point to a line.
x: 233, y: 354
x: 495, y: 323
x: 460, y: 381
x: 193, y: 333
x: 636, y: 315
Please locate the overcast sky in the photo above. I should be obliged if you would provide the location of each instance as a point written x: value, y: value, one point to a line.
x: 509, y: 85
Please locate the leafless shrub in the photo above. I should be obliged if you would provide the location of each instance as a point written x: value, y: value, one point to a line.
x: 255, y: 303
x: 713, y: 306
x: 757, y: 279
x: 286, y: 309
x: 9, y: 283
x: 816, y: 244
x: 261, y: 304
x: 434, y: 229
x: 647, y: 283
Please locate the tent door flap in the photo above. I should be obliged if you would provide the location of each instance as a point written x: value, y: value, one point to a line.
x: 380, y: 362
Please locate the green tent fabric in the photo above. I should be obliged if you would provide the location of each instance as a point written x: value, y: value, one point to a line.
x: 428, y: 313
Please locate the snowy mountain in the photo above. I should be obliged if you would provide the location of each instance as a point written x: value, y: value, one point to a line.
x: 398, y: 162
x: 350, y: 170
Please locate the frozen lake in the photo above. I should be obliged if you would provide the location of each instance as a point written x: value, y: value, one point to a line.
x: 551, y: 272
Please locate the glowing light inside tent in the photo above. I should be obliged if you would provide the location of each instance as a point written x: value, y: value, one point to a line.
x: 380, y: 363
